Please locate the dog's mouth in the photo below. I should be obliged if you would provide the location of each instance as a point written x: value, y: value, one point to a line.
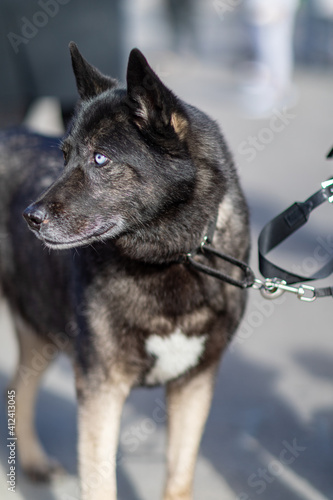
x: 60, y: 243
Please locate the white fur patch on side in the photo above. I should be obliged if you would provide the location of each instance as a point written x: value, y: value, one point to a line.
x: 174, y: 355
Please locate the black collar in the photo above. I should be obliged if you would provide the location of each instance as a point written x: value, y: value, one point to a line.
x: 207, y: 250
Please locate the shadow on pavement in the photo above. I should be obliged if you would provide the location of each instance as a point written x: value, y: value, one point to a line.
x: 249, y: 416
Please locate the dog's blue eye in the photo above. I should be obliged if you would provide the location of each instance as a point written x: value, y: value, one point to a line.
x: 100, y: 159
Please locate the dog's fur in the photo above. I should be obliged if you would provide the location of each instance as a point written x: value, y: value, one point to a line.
x: 144, y: 176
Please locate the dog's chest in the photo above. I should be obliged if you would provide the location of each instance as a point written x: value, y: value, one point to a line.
x: 158, y: 325
x: 173, y: 354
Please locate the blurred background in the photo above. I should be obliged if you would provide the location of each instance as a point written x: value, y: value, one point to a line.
x: 257, y: 42
x: 263, y: 70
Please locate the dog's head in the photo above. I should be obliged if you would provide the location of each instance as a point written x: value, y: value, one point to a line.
x: 128, y: 161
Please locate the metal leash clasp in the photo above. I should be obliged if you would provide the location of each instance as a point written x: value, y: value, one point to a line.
x: 328, y: 185
x: 272, y: 288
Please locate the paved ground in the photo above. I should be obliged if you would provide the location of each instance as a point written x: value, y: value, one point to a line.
x: 269, y: 434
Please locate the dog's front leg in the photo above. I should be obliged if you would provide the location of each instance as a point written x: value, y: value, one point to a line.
x: 100, y: 411
x: 188, y: 406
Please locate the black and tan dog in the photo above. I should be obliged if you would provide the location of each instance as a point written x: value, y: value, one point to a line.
x: 143, y: 177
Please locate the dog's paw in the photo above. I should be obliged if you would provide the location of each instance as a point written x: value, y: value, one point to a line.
x: 44, y: 472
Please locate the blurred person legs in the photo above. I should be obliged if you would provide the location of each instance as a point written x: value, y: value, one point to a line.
x: 318, y: 43
x: 181, y: 14
x: 267, y: 80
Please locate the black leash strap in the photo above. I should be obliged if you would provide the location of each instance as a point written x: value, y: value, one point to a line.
x: 285, y: 224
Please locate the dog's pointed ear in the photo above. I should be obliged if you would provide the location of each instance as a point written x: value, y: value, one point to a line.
x: 152, y: 103
x: 90, y: 82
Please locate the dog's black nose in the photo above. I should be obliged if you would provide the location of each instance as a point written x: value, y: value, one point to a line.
x: 35, y: 215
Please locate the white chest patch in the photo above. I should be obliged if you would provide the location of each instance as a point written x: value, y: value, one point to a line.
x: 174, y: 355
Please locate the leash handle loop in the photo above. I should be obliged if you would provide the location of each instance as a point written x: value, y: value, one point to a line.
x: 285, y: 224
